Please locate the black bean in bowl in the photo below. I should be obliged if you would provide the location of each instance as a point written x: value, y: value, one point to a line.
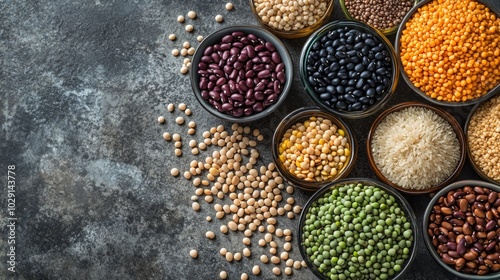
x: 241, y: 73
x: 349, y: 69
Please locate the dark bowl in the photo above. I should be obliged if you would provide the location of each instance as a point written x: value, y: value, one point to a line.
x: 215, y: 38
x: 397, y: 45
x: 300, y: 115
x: 428, y: 242
x: 356, y: 25
x: 401, y: 201
x: 473, y: 161
x: 445, y: 115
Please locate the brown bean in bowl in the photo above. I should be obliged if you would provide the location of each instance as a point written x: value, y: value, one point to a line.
x: 462, y: 231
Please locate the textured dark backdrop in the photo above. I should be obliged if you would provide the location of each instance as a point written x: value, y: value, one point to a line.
x: 81, y: 86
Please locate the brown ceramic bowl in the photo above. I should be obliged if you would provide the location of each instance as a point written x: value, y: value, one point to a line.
x: 299, y: 33
x: 448, y: 117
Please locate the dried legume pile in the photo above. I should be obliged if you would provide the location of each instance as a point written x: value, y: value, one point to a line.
x: 314, y: 150
x: 290, y: 15
x: 483, y: 136
x: 241, y: 75
x: 415, y: 148
x: 357, y: 232
x: 349, y: 69
x: 248, y: 199
x: 464, y: 227
x: 450, y: 50
x: 381, y: 14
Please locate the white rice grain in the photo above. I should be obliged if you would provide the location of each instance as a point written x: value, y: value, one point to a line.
x: 415, y: 148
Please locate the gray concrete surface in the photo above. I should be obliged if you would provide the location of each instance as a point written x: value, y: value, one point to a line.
x: 82, y: 84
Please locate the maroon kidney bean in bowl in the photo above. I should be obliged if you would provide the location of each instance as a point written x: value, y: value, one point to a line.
x: 461, y: 228
x: 241, y: 73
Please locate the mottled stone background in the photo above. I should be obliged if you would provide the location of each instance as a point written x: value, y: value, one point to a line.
x: 82, y: 84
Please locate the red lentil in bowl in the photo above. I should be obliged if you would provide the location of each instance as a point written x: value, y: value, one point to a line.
x: 450, y: 58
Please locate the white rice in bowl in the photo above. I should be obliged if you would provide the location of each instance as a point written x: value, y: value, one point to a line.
x: 415, y: 148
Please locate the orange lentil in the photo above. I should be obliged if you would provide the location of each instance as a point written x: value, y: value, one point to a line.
x: 452, y: 56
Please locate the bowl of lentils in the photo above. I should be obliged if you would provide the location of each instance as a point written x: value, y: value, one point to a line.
x: 241, y: 73
x: 416, y: 148
x: 349, y: 69
x: 482, y: 130
x: 292, y: 19
x: 311, y: 148
x: 461, y: 229
x: 450, y: 58
x: 385, y: 16
x: 357, y: 229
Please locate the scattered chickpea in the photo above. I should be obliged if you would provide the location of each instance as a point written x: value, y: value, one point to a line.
x: 297, y: 265
x: 264, y: 259
x: 244, y: 276
x: 219, y: 18
x: 256, y: 270
x: 229, y: 257
x: 184, y: 70
x: 199, y: 38
x: 183, y: 52
x: 191, y: 131
x: 167, y: 136
x: 179, y: 120
x: 276, y: 270
x: 237, y: 256
x: 174, y: 172
x: 223, y: 251
x: 196, y: 206
x: 193, y: 253
x: 247, y: 252
x: 180, y: 18
x: 175, y: 52
x: 275, y: 260
x: 188, y: 112
x: 187, y: 175
x: 170, y: 107
x: 208, y: 219
x: 223, y: 275
x: 223, y: 229
x: 229, y: 6
x: 186, y: 45
x: 191, y: 14
x: 288, y: 271
x: 189, y: 28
